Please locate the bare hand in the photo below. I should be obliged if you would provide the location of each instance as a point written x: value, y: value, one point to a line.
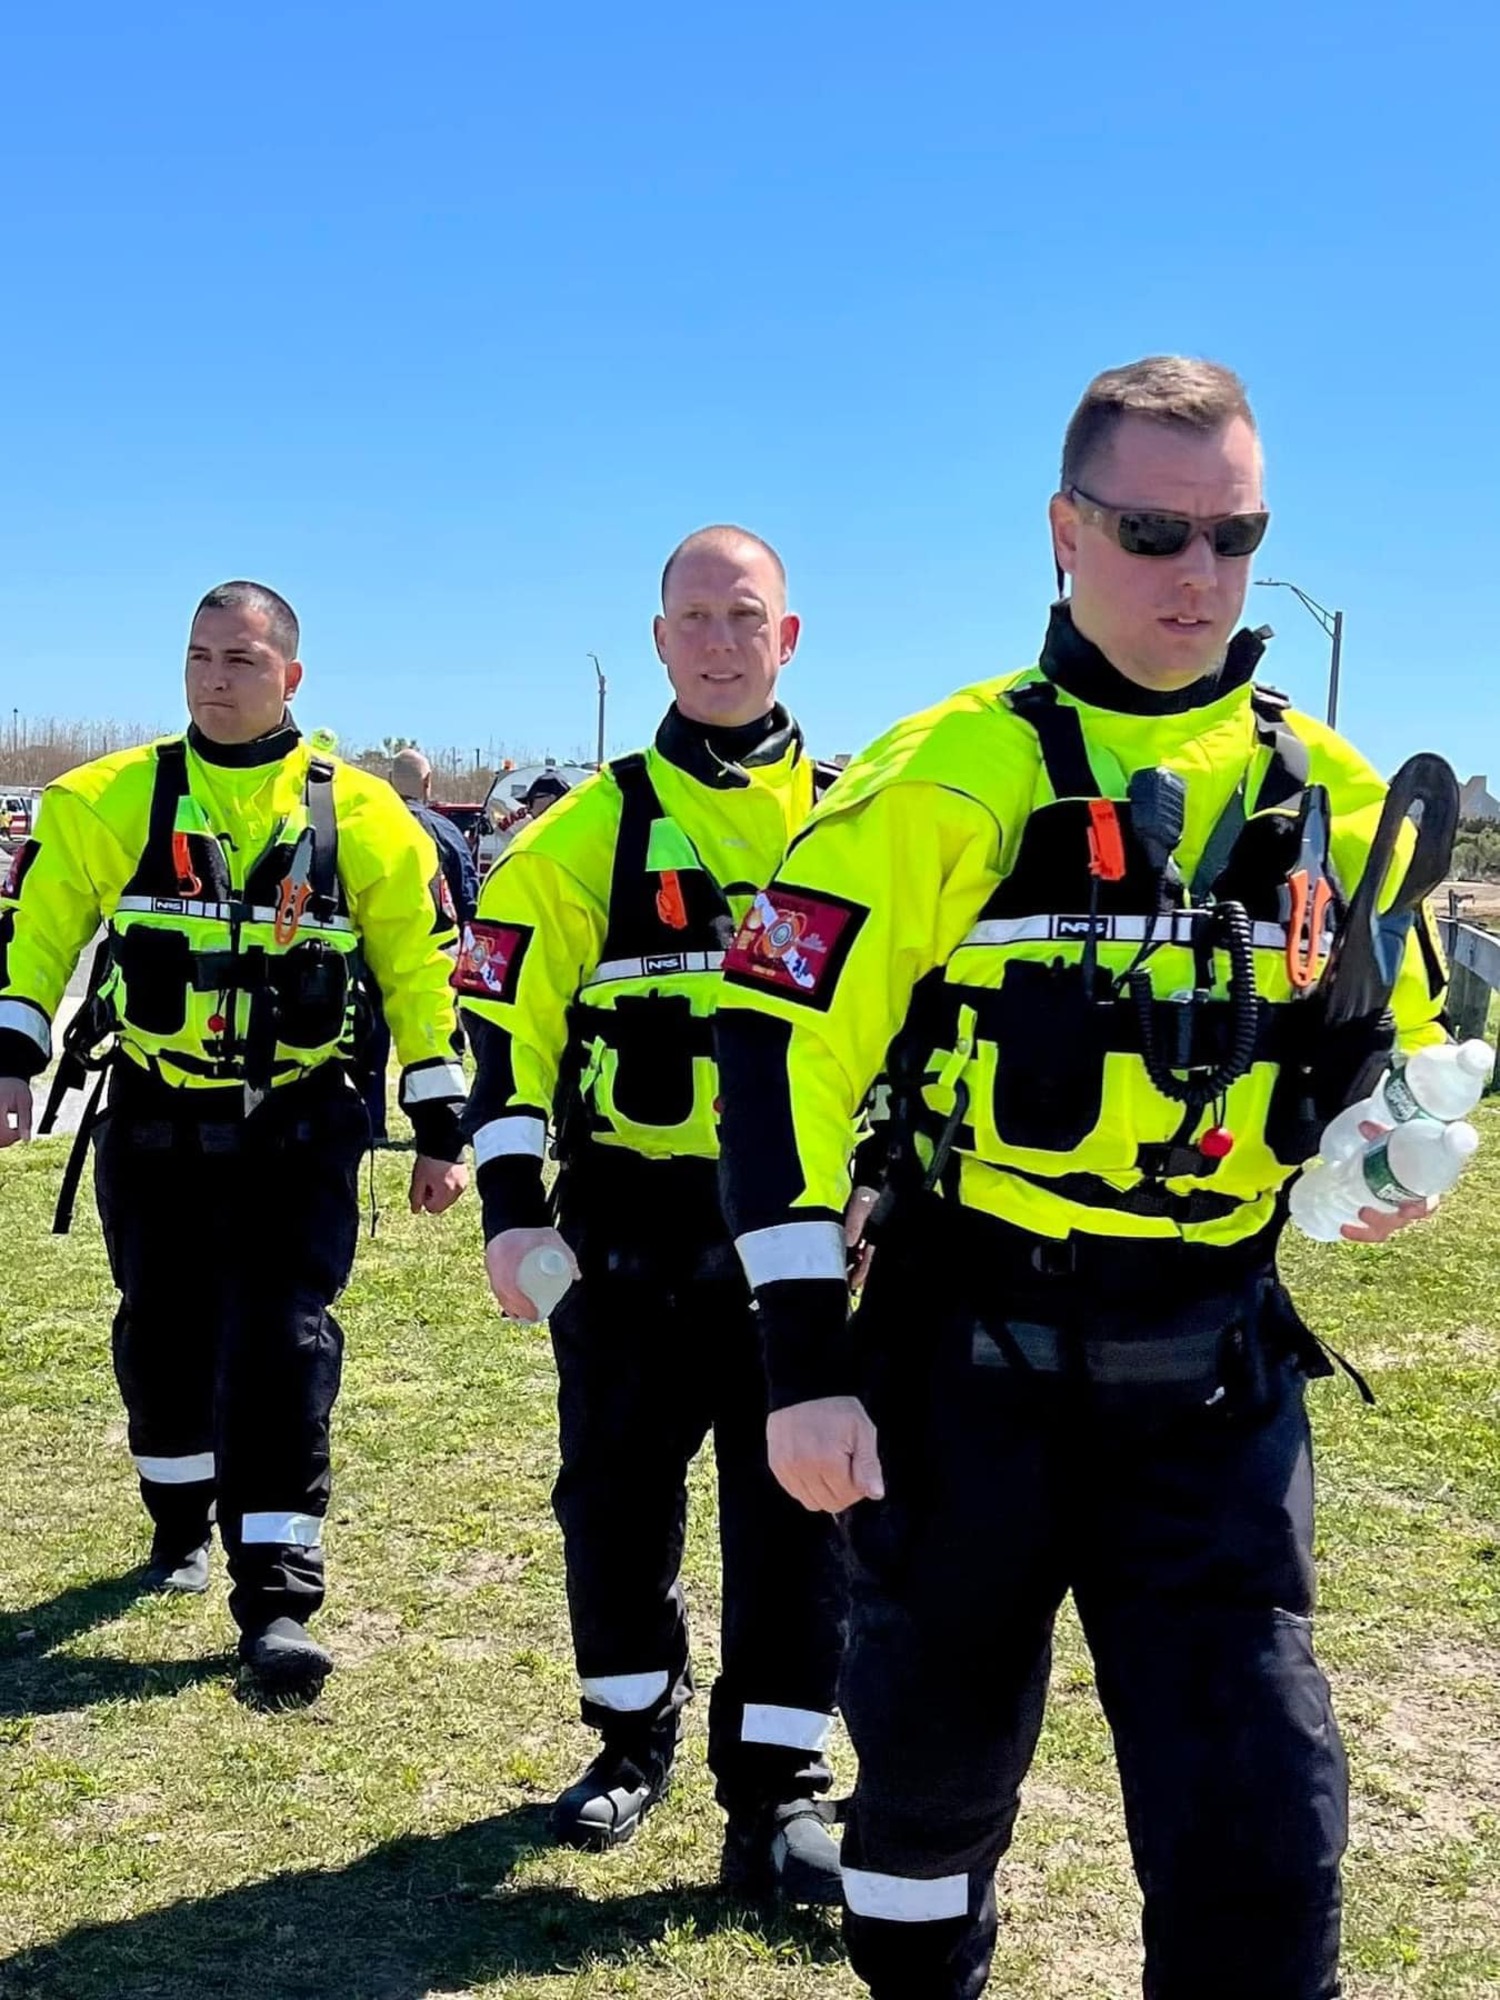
x: 824, y: 1453
x: 436, y: 1184
x: 502, y: 1260
x: 15, y: 1111
x: 1375, y: 1225
x: 856, y: 1215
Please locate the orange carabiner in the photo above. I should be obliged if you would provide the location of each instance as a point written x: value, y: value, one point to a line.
x: 188, y: 883
x: 1306, y: 917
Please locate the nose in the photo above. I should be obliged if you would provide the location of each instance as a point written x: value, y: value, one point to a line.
x: 720, y: 636
x: 1198, y: 566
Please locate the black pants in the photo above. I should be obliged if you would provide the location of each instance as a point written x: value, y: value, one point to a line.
x: 228, y: 1239
x: 656, y: 1345
x: 1181, y: 1517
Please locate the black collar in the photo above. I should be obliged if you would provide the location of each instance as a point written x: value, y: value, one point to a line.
x: 1077, y: 666
x: 721, y: 757
x: 268, y: 749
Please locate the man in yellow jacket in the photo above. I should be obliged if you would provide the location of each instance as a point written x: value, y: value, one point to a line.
x: 248, y: 886
x: 1071, y: 921
x: 589, y: 982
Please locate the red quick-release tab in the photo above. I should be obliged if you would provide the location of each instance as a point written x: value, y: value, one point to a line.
x: 1106, y: 842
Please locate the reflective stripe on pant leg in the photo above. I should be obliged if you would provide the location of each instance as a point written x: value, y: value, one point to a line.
x: 625, y: 1693
x: 186, y: 1469
x: 285, y: 1530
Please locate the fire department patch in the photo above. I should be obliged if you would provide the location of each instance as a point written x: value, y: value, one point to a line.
x: 489, y: 959
x: 794, y: 943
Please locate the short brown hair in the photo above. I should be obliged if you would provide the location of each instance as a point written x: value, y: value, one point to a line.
x: 1199, y: 396
x: 716, y: 537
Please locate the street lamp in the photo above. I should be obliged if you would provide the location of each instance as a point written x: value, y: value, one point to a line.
x: 1332, y: 623
x: 603, y: 690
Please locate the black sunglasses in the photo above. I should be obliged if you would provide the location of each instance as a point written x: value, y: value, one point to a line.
x: 1143, y: 531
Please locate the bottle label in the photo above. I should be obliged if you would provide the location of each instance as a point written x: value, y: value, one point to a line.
x: 1381, y: 1180
x: 1399, y: 1099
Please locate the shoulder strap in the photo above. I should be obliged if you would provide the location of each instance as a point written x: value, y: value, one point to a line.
x: 156, y: 873
x: 1287, y: 774
x: 1065, y: 754
x: 317, y: 796
x: 652, y: 907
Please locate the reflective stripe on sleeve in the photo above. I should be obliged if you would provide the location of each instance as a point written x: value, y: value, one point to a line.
x: 29, y: 1020
x: 432, y: 1083
x: 791, y: 1728
x: 793, y: 1250
x: 300, y: 1531
x: 624, y: 1692
x: 906, y: 1899
x: 184, y: 1471
x: 522, y: 1133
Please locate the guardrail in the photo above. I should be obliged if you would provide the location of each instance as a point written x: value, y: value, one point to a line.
x: 1474, y: 966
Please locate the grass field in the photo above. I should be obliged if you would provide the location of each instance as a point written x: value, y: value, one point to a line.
x: 159, y: 1838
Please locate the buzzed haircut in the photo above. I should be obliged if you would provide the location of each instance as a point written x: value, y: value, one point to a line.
x: 1199, y: 396
x: 410, y: 771
x: 714, y: 537
x: 283, y: 631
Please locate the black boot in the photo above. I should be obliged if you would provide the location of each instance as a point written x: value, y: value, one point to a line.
x: 174, y: 1567
x: 603, y: 1808
x: 783, y: 1850
x: 284, y: 1661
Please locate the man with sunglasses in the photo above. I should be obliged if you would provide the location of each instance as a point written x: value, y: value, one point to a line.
x: 1054, y: 915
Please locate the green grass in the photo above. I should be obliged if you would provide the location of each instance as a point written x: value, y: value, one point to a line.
x: 159, y: 1838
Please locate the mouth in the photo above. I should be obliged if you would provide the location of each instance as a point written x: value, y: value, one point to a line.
x: 722, y: 680
x: 1185, y: 622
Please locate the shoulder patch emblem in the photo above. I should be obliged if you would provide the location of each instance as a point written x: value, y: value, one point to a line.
x: 794, y: 943
x: 489, y: 959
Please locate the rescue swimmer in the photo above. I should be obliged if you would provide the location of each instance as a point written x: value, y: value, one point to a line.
x: 1067, y: 926
x: 588, y: 985
x: 250, y: 886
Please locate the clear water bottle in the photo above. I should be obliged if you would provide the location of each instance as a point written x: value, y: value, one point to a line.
x: 1416, y: 1161
x: 1444, y: 1083
x: 544, y: 1274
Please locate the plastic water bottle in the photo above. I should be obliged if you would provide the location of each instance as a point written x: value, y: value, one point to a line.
x: 544, y: 1274
x: 1415, y: 1161
x: 1443, y: 1083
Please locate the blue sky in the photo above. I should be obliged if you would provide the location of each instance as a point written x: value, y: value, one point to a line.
x: 449, y: 320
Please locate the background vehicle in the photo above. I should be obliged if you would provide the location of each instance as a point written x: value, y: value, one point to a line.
x: 505, y: 809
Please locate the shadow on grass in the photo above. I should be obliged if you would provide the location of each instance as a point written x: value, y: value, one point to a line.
x: 419, y: 1916
x: 35, y: 1679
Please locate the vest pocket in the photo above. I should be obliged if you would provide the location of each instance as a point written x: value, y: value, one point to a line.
x: 311, y: 985
x: 157, y: 969
x: 654, y: 1039
x: 1049, y: 1067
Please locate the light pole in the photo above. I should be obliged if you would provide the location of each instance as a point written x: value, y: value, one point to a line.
x: 603, y: 690
x: 1332, y: 623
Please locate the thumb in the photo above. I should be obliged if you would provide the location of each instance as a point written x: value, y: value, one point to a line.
x: 865, y: 1462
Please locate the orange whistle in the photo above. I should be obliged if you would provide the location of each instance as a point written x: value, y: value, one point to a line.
x: 670, y: 906
x: 182, y: 860
x: 1106, y: 843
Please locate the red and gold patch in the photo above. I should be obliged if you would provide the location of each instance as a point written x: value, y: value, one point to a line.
x: 489, y: 959
x: 794, y: 943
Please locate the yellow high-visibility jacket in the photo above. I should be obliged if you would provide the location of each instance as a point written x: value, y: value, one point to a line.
x: 241, y: 886
x: 943, y: 914
x: 590, y: 976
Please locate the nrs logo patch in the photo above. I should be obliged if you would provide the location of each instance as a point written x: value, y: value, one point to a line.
x: 490, y: 958
x: 794, y: 943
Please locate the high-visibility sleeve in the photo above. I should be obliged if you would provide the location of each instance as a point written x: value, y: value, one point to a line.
x: 401, y: 909
x: 888, y: 887
x: 49, y: 909
x: 537, y: 938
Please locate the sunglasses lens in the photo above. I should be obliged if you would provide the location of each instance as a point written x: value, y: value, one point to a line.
x: 1240, y: 534
x: 1153, y: 534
